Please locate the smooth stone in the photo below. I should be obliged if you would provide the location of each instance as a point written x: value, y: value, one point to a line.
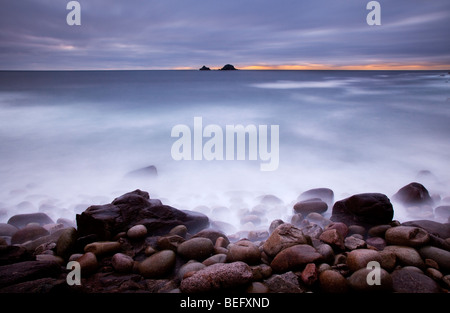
x: 284, y: 236
x: 312, y: 205
x: 295, y: 257
x: 137, y: 232
x: 356, y: 229
x: 358, y: 281
x: 442, y: 257
x: 28, y: 233
x: 169, y: 242
x: 212, y: 235
x: 378, y: 230
x: 359, y: 258
x: 406, y: 236
x: 332, y: 281
x: 324, y: 194
x: 22, y: 220
x: 179, y: 230
x: 274, y: 224
x: 122, y: 263
x: 413, y: 194
x: 408, y: 281
x: 406, y: 255
x: 216, y: 258
x: 88, y: 263
x: 245, y: 251
x: 376, y: 242
x: 157, y: 265
x: 439, y: 229
x: 196, y: 248
x: 7, y: 229
x: 102, y: 247
x: 66, y: 243
x: 189, y: 267
x: 217, y: 277
x: 326, y: 251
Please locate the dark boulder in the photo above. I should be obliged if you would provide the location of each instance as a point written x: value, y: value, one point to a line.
x: 309, y: 206
x: 366, y: 209
x: 413, y: 194
x: 228, y: 67
x: 135, y: 208
x: 21, y: 220
x: 324, y: 194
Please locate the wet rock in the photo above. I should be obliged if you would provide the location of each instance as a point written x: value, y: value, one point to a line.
x: 212, y: 235
x: 274, y: 224
x: 132, y: 209
x: 326, y: 251
x: 332, y: 281
x: 284, y: 236
x: 324, y: 194
x: 261, y: 271
x: 295, y: 257
x: 220, y: 276
x: 333, y: 238
x: 189, y: 267
x: 406, y: 255
x: 442, y: 257
x: 158, y: 264
x: 309, y: 274
x: 340, y: 227
x: 216, y: 258
x: 407, y: 236
x: 352, y: 243
x: 103, y: 247
x: 179, y: 230
x: 312, y: 205
x: 378, y: 231
x: 169, y: 242
x: 376, y: 242
x: 196, y: 248
x: 30, y: 232
x: 13, y: 254
x: 367, y: 210
x: 122, y: 263
x: 413, y: 194
x: 245, y: 251
x: 312, y: 230
x: 7, y: 230
x: 408, y: 281
x: 137, y: 232
x: 359, y: 280
x: 66, y: 244
x: 88, y: 264
x: 439, y: 229
x: 359, y: 258
x: 26, y: 271
x: 284, y: 283
x: 356, y: 229
x: 21, y: 220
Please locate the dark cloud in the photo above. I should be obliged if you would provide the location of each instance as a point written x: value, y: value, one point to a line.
x: 190, y: 33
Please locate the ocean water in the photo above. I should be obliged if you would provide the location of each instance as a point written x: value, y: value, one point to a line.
x: 68, y: 139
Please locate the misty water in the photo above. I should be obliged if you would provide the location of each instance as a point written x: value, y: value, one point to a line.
x: 68, y: 139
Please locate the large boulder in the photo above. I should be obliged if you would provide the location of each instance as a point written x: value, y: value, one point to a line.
x: 413, y: 194
x: 366, y: 209
x: 228, y: 67
x: 135, y: 208
x: 21, y: 220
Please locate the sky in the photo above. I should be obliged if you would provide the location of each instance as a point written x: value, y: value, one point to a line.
x: 250, y: 34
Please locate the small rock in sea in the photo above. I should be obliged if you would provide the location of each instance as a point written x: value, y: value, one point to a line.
x: 102, y: 247
x: 406, y: 236
x: 413, y: 194
x: 295, y: 257
x: 204, y: 68
x: 122, y: 263
x: 284, y: 283
x: 228, y: 67
x: 441, y: 256
x: 324, y: 194
x: 30, y: 232
x: 359, y: 258
x: 309, y: 206
x: 406, y: 255
x: 284, y: 236
x: 196, y: 248
x: 366, y: 209
x: 408, y: 281
x: 137, y: 232
x: 21, y: 220
x: 158, y: 264
x: 332, y: 281
x: 245, y: 251
x: 7, y: 230
x: 220, y: 276
x: 358, y: 281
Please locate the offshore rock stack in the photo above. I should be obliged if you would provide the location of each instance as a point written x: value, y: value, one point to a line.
x: 137, y: 244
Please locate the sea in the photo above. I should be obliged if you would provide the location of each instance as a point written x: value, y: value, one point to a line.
x: 69, y: 139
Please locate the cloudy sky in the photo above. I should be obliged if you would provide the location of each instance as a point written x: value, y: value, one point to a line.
x: 252, y: 34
